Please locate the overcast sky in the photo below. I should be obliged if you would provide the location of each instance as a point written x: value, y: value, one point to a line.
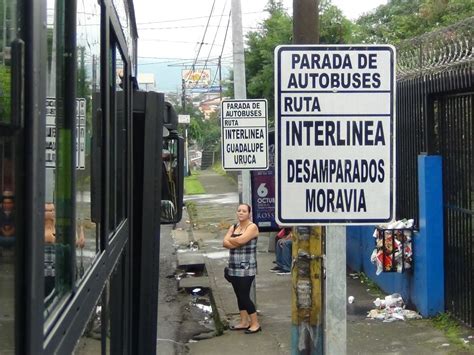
x: 170, y: 33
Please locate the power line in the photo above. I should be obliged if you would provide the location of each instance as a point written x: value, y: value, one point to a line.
x: 190, y: 26
x: 191, y: 18
x: 204, y: 35
x: 170, y: 40
x: 174, y: 63
x: 212, y: 45
x: 222, y: 51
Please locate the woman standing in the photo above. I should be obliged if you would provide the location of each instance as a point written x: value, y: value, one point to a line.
x: 241, y: 240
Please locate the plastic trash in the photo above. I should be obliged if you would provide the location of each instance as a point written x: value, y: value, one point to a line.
x: 393, y: 246
x: 350, y: 299
x: 391, y: 308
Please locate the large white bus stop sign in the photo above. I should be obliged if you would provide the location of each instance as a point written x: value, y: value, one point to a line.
x: 335, y: 125
x: 244, y: 129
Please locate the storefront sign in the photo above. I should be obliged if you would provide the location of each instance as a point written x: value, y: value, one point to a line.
x: 263, y: 191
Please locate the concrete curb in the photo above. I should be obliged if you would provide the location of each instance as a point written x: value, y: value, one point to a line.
x: 219, y: 304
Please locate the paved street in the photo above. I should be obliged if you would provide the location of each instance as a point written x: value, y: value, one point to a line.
x: 215, y: 212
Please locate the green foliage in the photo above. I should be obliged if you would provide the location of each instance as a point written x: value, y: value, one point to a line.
x: 217, y: 167
x: 403, y: 19
x: 259, y: 57
x: 450, y: 327
x: 205, y: 133
x: 5, y: 94
x: 375, y: 290
x: 277, y: 29
x: 192, y: 186
x: 211, y: 129
x: 334, y: 27
x: 390, y: 23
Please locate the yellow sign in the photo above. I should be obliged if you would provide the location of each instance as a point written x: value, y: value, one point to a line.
x: 196, y: 78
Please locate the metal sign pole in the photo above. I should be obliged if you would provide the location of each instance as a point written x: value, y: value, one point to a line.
x: 240, y: 92
x: 335, y: 329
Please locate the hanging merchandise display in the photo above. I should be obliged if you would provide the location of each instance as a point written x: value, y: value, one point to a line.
x: 393, y: 247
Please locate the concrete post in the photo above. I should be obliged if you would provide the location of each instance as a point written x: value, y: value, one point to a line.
x: 429, y: 243
x: 240, y: 88
x: 240, y: 92
x: 335, y: 301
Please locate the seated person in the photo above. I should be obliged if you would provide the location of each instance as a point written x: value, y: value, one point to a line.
x: 283, y: 252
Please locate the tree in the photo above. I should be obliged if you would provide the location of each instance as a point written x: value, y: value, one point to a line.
x: 211, y: 129
x: 204, y: 133
x: 403, y: 19
x: 259, y: 57
x: 334, y: 27
x: 277, y: 29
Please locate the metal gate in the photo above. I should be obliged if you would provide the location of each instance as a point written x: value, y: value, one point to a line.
x: 435, y: 81
x: 454, y: 130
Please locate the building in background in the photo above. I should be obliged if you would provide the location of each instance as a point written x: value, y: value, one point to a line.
x: 209, y: 106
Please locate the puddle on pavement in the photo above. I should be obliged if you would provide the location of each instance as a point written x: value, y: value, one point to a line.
x: 201, y: 309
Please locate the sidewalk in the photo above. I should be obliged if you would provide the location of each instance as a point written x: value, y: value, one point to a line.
x: 364, y: 336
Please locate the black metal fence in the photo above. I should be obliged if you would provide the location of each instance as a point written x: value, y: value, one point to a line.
x: 435, y: 91
x: 453, y: 121
x: 411, y: 122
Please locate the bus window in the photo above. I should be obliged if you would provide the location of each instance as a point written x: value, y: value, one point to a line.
x: 87, y: 90
x: 7, y: 245
x: 60, y: 132
x: 8, y: 161
x: 118, y: 142
x: 172, y: 179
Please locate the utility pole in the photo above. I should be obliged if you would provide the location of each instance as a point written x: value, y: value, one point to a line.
x: 240, y: 92
x: 308, y: 247
x: 183, y: 95
x: 220, y: 77
x: 306, y: 21
x: 240, y: 89
x: 183, y: 105
x: 319, y: 298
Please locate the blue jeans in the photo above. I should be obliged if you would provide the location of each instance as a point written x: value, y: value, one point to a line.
x: 283, y: 254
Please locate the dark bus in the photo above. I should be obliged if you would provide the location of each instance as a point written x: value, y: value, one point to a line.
x: 90, y: 167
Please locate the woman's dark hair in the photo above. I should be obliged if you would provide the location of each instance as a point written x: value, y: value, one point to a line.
x: 248, y: 206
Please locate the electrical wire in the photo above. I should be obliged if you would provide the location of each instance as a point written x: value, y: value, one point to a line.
x: 212, y: 45
x: 191, y: 18
x: 222, y: 51
x: 204, y: 35
x: 190, y: 26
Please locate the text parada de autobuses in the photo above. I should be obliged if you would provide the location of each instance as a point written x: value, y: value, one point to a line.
x: 243, y: 110
x: 312, y: 71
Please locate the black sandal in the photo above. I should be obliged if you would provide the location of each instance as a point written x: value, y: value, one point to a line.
x: 249, y: 331
x: 238, y: 328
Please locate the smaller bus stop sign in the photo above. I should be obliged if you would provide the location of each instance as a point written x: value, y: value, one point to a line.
x: 335, y: 134
x: 244, y: 128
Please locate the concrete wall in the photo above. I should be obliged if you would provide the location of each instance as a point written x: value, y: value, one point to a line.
x: 423, y: 285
